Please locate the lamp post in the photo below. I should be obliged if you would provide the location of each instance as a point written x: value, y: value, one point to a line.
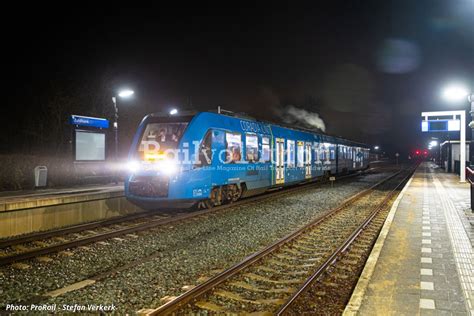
x: 122, y: 94
x: 457, y: 93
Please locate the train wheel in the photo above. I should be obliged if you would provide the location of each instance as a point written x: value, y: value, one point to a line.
x: 202, y: 205
x: 215, y: 198
x: 235, y: 192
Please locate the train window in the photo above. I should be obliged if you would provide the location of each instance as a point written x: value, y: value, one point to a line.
x: 234, y: 147
x: 322, y: 153
x: 251, y: 147
x: 158, y: 138
x: 266, y: 149
x: 300, y: 149
x: 332, y: 154
x: 205, y: 151
x: 290, y: 153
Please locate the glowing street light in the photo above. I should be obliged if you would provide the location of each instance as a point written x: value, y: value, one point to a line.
x: 433, y: 143
x: 376, y: 147
x: 173, y: 112
x: 455, y: 93
x: 126, y: 93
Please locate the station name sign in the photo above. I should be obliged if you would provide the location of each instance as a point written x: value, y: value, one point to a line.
x: 89, y: 121
x: 440, y: 125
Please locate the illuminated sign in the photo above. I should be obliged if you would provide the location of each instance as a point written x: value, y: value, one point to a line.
x: 440, y: 125
x: 89, y: 121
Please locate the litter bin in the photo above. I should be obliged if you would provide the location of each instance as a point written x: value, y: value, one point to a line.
x: 41, y: 176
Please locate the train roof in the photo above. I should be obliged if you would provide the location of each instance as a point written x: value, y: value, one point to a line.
x: 188, y: 115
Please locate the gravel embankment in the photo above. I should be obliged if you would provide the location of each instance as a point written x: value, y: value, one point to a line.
x: 186, y: 251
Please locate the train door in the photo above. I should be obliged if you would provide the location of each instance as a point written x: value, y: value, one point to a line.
x: 280, y: 161
x: 308, y: 160
x: 354, y: 157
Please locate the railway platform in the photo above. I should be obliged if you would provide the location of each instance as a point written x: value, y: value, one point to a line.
x: 24, y: 212
x: 423, y: 260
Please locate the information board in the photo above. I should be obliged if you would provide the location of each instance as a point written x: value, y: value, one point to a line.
x: 89, y: 146
x: 440, y: 125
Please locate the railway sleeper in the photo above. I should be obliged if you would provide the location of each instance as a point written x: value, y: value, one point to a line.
x: 298, y: 253
x: 292, y: 272
x: 293, y: 266
x: 250, y: 287
x: 236, y: 297
x: 256, y: 277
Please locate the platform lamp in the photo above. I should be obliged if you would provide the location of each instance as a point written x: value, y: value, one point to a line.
x: 126, y: 93
x: 456, y: 93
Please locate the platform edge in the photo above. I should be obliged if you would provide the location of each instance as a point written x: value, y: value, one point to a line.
x: 355, y: 302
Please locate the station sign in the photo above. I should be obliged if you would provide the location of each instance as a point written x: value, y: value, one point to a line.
x: 89, y: 121
x: 440, y: 125
x: 88, y: 138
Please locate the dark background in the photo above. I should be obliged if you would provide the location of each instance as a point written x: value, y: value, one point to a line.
x: 366, y: 67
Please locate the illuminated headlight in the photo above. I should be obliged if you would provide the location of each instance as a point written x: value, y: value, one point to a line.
x: 133, y: 166
x: 168, y: 167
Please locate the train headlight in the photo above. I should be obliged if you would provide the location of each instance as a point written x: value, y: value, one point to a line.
x: 168, y: 167
x: 133, y: 166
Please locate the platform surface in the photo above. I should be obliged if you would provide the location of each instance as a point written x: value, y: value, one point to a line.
x: 14, y: 200
x: 422, y: 262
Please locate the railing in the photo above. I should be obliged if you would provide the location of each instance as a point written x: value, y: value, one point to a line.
x: 470, y: 178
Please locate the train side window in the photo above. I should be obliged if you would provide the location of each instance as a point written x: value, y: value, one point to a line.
x: 322, y: 153
x: 290, y: 153
x: 266, y: 149
x: 205, y: 151
x: 300, y: 148
x: 233, y: 147
x: 332, y: 154
x: 251, y: 147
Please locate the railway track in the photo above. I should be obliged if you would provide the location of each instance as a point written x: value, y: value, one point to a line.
x: 271, y: 280
x: 329, y: 292
x: 43, y: 243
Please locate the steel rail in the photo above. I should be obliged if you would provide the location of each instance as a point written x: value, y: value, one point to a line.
x: 341, y: 249
x: 151, y: 224
x: 202, y: 288
x: 8, y: 242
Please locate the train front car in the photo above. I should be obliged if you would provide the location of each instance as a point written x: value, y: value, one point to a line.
x: 158, y: 161
x: 213, y: 158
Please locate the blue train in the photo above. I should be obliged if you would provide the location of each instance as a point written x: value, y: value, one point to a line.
x: 209, y: 158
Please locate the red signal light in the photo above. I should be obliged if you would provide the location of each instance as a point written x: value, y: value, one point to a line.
x: 417, y: 152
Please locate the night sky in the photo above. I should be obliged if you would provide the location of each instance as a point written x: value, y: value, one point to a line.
x: 366, y: 67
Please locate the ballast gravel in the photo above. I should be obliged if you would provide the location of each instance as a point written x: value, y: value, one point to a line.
x: 183, y: 253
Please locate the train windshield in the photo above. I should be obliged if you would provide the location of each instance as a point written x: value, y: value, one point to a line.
x: 159, y: 140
